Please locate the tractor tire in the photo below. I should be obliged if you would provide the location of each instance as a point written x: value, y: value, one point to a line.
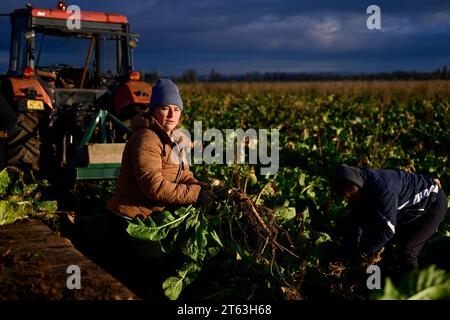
x: 24, y: 144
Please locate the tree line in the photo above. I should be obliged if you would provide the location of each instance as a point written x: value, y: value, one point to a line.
x: 191, y: 76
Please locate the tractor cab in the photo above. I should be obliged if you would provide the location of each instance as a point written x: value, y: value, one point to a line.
x: 96, y: 55
x: 72, y: 85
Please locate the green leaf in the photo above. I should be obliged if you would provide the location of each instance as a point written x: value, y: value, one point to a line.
x: 17, y: 188
x: 30, y: 188
x: 310, y: 192
x: 214, y: 236
x: 147, y: 233
x: 162, y: 218
x: 305, y: 216
x: 173, y: 286
x: 202, y: 240
x: 301, y: 179
x: 285, y: 213
x: 195, y: 247
x: 322, y: 237
x: 184, y: 210
x: 426, y: 284
x: 390, y: 292
x: 189, y: 271
x: 11, y: 211
x: 190, y: 249
x: 148, y: 221
x: 6, y: 178
x: 46, y: 206
x: 213, y: 251
x: 191, y: 222
x: 154, y: 232
x: 436, y: 292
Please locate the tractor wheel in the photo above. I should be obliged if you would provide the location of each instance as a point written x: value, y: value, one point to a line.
x: 23, y: 144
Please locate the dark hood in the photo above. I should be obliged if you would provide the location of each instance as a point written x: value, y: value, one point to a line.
x: 349, y: 173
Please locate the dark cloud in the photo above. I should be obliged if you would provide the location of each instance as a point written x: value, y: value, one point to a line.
x: 234, y: 36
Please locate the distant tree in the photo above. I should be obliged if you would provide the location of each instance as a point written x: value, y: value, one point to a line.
x: 189, y: 76
x: 214, y: 76
x: 152, y: 76
x: 445, y: 73
x: 253, y: 76
x: 437, y: 74
x: 142, y: 74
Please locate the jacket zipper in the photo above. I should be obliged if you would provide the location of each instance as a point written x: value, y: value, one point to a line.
x: 178, y: 173
x: 180, y: 167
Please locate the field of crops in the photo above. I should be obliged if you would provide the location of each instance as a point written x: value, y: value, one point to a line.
x: 277, y: 237
x: 379, y: 125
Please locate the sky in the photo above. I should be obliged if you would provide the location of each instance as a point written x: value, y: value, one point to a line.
x: 239, y: 36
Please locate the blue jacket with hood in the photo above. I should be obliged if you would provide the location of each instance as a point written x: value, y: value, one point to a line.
x: 390, y: 198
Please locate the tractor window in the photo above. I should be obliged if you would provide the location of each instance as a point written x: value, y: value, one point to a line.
x: 54, y: 50
x: 108, y: 51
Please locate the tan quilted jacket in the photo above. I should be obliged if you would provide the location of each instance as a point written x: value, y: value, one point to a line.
x: 151, y: 176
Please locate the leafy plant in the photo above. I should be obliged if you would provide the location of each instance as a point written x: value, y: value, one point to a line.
x: 199, y: 242
x: 427, y: 284
x: 20, y: 195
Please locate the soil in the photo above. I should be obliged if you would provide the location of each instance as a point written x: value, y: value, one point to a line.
x: 34, y: 262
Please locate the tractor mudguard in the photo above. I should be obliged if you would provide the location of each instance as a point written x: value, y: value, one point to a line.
x: 132, y: 93
x: 24, y: 89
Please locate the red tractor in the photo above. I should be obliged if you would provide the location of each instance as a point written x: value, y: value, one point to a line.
x: 70, y: 89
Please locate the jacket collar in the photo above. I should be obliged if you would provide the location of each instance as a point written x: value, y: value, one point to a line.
x: 145, y: 120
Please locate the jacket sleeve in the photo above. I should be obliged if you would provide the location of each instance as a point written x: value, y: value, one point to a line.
x: 386, y: 219
x: 350, y: 242
x: 352, y: 234
x: 145, y: 152
x: 188, y: 178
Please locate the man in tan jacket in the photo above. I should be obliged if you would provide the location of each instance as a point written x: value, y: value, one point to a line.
x: 151, y: 177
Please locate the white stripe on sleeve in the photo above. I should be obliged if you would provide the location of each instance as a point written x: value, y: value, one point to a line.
x: 391, y: 226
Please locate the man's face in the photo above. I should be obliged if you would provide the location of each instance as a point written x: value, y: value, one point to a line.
x: 168, y: 117
x: 351, y: 193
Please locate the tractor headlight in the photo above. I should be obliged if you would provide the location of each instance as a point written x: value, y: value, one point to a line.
x: 133, y: 43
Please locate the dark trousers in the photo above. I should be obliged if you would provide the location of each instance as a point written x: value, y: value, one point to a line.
x: 139, y: 264
x: 413, y: 236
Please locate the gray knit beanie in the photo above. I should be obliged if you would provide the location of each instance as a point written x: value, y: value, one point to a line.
x: 165, y: 92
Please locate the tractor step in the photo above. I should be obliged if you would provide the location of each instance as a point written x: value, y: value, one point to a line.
x: 94, y: 171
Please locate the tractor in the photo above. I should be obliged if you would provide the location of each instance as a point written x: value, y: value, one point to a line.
x: 72, y: 90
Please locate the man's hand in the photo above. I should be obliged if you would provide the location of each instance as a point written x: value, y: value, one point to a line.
x: 359, y: 259
x: 365, y: 260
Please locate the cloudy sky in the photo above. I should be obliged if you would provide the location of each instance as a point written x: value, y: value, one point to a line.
x: 238, y: 36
